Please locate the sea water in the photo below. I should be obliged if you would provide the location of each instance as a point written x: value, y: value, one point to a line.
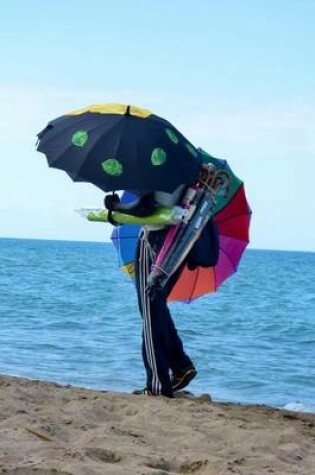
x: 68, y: 314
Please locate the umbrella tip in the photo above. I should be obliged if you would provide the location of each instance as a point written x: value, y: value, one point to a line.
x: 127, y: 110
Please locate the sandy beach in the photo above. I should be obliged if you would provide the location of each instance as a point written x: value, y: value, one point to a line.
x: 47, y: 429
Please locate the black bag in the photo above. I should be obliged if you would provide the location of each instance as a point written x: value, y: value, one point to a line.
x: 205, y: 252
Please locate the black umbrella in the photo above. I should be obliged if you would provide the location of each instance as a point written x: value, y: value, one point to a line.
x: 120, y: 147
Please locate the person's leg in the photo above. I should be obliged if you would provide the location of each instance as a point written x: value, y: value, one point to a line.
x: 179, y: 360
x: 156, y: 342
x: 162, y: 348
x: 181, y: 366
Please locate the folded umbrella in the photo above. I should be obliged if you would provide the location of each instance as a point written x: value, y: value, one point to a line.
x: 182, y: 237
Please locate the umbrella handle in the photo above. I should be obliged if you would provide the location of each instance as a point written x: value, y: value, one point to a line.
x: 221, y: 182
x: 215, y: 180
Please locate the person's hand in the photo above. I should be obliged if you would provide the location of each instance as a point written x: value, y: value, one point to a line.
x: 111, y: 201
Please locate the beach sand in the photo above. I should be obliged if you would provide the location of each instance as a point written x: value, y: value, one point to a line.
x: 47, y: 429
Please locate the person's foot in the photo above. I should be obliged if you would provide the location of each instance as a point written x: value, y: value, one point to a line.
x: 144, y: 391
x: 147, y: 392
x: 181, y: 379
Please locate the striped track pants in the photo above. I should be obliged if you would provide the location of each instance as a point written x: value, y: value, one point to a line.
x: 162, y: 348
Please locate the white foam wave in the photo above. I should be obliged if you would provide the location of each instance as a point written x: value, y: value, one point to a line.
x: 300, y: 407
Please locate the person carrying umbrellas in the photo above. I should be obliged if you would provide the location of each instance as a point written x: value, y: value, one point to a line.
x: 127, y: 148
x: 167, y: 365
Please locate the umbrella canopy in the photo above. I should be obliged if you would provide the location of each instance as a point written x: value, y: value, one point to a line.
x: 120, y: 147
x: 232, y: 216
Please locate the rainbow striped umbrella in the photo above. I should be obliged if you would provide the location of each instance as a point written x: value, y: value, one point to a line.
x: 232, y: 216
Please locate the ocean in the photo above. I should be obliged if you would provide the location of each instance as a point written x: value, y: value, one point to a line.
x: 69, y: 315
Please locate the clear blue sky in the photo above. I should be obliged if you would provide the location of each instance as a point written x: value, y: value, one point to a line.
x: 236, y: 77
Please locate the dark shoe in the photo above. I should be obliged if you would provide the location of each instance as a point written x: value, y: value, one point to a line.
x: 144, y: 391
x: 183, y: 378
x: 147, y: 392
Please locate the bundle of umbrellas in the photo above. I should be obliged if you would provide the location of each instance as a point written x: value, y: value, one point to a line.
x: 120, y: 147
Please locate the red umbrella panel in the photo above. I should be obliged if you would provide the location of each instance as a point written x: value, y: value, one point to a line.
x: 233, y: 226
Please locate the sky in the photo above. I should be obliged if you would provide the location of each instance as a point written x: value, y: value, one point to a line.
x: 235, y: 77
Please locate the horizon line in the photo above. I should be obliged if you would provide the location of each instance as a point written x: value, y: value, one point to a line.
x: 110, y: 242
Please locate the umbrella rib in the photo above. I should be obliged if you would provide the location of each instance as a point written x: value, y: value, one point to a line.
x: 229, y: 259
x: 236, y: 192
x: 214, y: 277
x: 233, y: 237
x: 194, y: 286
x: 118, y: 123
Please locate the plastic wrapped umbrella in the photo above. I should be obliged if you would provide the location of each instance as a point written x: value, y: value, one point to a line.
x: 232, y: 216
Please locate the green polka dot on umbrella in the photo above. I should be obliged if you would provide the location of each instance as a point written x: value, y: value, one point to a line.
x: 191, y: 150
x: 112, y: 166
x: 158, y: 156
x: 80, y: 138
x: 172, y: 136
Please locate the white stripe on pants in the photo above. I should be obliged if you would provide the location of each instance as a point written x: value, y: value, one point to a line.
x: 145, y: 260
